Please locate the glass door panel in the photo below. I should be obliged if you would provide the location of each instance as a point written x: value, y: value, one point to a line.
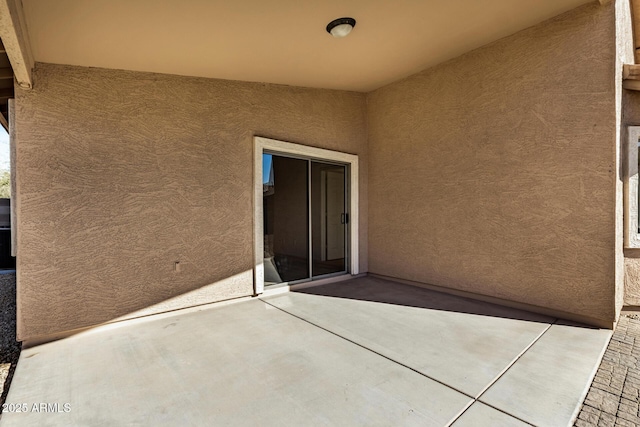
x: 329, y: 218
x: 285, y: 192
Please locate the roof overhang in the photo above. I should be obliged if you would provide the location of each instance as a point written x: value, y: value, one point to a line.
x: 16, y: 59
x: 275, y: 41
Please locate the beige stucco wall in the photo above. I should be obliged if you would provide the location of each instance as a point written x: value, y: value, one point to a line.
x: 495, y: 173
x: 122, y: 173
x: 631, y: 108
x: 632, y: 279
x: 624, y: 55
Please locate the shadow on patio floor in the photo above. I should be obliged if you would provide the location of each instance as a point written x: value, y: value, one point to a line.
x: 379, y: 290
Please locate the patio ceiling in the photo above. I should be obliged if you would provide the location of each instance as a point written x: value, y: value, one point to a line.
x: 275, y: 41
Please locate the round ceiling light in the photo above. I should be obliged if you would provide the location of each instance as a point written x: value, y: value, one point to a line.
x: 341, y: 27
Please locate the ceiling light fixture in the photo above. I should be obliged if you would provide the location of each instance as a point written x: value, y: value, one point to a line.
x: 341, y: 27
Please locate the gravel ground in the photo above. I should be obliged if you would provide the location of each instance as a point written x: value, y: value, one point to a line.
x: 9, y: 347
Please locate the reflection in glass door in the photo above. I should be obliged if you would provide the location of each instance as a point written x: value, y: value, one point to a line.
x: 286, y: 219
x: 328, y: 218
x: 305, y: 219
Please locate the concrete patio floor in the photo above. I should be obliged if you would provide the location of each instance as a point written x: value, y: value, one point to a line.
x: 361, y: 352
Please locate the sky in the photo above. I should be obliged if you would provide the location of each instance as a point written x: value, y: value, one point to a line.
x: 4, y: 149
x: 266, y: 167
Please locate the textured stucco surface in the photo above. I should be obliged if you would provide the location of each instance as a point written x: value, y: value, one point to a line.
x: 631, y: 117
x: 122, y: 173
x: 495, y: 173
x: 624, y: 55
x: 632, y: 281
x: 631, y: 109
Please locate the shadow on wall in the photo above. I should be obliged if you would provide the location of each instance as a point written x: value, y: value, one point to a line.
x: 195, y: 297
x: 146, y: 304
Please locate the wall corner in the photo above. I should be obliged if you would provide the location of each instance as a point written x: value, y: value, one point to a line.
x: 624, y: 46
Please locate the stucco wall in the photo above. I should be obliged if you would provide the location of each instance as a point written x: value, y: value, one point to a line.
x: 624, y: 55
x: 632, y: 279
x: 631, y: 109
x: 495, y: 173
x: 122, y: 173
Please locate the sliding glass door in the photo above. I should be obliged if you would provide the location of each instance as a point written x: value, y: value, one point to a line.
x: 328, y: 218
x: 305, y: 218
x: 286, y: 219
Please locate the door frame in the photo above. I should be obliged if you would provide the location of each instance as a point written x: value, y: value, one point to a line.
x: 260, y: 145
